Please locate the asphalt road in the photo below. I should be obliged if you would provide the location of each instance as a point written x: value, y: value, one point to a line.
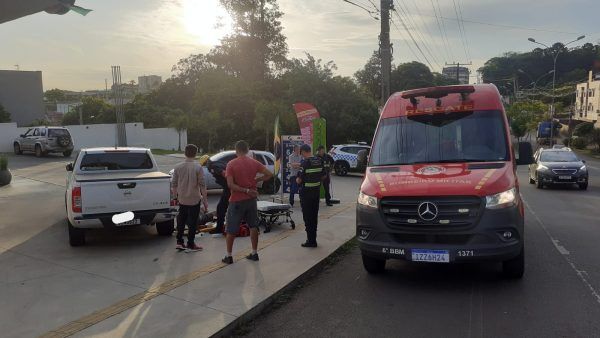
x: 559, y: 295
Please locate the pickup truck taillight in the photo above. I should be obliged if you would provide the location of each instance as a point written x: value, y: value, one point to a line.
x: 76, y: 199
x: 173, y: 199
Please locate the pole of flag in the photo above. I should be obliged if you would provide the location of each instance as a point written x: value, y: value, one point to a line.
x: 278, y: 151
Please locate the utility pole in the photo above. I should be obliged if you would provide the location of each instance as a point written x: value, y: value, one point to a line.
x: 458, y: 64
x: 385, y: 50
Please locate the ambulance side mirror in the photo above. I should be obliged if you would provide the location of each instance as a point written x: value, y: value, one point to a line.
x: 362, y: 158
x: 525, y: 153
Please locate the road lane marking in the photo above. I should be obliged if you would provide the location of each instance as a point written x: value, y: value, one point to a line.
x: 98, y: 316
x: 565, y: 253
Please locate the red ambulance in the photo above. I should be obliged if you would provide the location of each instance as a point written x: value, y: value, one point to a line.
x: 441, y: 183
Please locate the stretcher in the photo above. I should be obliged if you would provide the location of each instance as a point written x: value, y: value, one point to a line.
x: 269, y: 214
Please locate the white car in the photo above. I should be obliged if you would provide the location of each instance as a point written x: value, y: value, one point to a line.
x: 345, y: 157
x: 264, y: 157
x: 103, y: 182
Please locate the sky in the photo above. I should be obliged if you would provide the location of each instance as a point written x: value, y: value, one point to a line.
x: 149, y: 36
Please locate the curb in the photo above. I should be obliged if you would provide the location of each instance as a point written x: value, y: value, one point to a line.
x: 228, y: 330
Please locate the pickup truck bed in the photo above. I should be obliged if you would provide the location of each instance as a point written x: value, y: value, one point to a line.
x: 95, y: 194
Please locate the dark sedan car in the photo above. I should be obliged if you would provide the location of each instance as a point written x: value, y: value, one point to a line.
x: 558, y: 166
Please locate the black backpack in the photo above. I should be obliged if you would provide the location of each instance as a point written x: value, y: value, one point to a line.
x: 217, y: 169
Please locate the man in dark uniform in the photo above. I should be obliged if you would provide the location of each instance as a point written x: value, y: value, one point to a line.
x: 327, y: 165
x: 217, y: 169
x: 309, y: 178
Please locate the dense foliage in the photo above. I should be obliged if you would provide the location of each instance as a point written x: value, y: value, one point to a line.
x: 532, y: 70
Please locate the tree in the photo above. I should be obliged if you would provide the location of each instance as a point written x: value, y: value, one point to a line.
x: 369, y: 77
x: 595, y: 138
x: 257, y: 47
x: 93, y: 110
x: 54, y: 95
x: 265, y: 113
x: 524, y: 116
x: 4, y: 115
x: 180, y: 122
x: 411, y: 75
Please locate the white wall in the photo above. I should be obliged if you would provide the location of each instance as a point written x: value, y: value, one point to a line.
x: 104, y: 135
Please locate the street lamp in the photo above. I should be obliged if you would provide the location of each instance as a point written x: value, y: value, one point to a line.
x: 554, y: 80
x: 534, y: 82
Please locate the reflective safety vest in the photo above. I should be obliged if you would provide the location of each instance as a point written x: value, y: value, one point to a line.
x: 311, y: 172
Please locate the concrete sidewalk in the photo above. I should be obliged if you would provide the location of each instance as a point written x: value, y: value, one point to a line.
x: 213, y: 298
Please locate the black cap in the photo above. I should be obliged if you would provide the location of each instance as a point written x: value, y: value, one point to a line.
x: 305, y: 147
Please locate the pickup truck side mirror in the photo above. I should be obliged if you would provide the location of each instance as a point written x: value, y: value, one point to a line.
x: 362, y: 158
x: 70, y: 167
x: 525, y: 153
x: 583, y: 161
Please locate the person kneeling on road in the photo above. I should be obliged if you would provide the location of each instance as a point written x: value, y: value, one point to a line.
x: 189, y: 187
x: 310, y: 176
x: 242, y: 177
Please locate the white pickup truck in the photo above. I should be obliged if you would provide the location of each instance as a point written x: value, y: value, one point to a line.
x: 103, y: 182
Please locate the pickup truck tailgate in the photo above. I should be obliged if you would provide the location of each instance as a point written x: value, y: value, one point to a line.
x: 149, y: 191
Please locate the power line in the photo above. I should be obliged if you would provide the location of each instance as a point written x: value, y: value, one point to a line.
x: 439, y: 9
x: 460, y: 31
x: 410, y: 48
x: 502, y: 25
x: 412, y: 38
x: 439, y: 50
x: 408, y: 22
x: 411, y: 24
x: 374, y: 5
x: 444, y: 41
x: 464, y: 29
x: 373, y: 14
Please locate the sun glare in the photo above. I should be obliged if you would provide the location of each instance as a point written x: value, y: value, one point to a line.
x: 206, y: 20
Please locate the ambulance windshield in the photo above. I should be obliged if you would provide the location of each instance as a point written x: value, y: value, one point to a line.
x: 476, y: 136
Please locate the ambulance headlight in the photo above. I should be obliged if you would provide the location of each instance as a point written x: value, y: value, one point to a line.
x: 501, y: 200
x: 367, y: 201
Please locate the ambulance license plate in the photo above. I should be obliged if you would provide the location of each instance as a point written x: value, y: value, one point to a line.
x: 434, y: 256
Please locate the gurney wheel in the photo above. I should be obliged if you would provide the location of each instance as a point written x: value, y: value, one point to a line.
x: 293, y: 224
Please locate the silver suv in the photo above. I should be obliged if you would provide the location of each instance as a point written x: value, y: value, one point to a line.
x: 44, y: 140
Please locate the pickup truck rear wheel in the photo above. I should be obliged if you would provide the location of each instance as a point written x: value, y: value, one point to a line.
x: 76, y: 235
x: 373, y: 265
x: 17, y: 149
x: 165, y: 228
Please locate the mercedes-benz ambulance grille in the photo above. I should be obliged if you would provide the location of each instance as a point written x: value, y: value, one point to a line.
x: 452, y: 212
x: 564, y: 171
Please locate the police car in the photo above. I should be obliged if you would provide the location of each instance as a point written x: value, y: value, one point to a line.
x: 345, y: 157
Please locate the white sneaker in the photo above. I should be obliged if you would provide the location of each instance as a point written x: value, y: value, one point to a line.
x: 217, y: 235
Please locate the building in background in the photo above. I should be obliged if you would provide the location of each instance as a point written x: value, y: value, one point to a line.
x: 587, y: 102
x: 148, y: 83
x: 22, y: 95
x: 463, y: 73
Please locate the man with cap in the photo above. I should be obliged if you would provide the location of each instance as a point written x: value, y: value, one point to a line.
x: 309, y: 177
x: 327, y: 164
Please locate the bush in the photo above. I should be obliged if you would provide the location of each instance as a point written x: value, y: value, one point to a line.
x: 579, y: 143
x: 595, y: 138
x: 583, y: 129
x: 3, y: 162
